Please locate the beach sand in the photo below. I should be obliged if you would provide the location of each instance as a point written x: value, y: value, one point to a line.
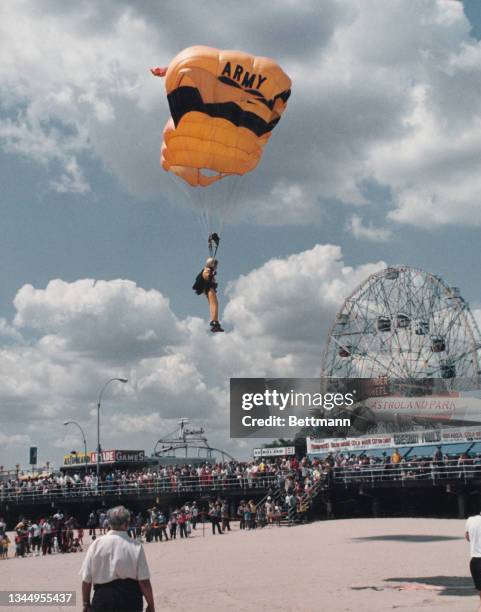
x: 356, y: 564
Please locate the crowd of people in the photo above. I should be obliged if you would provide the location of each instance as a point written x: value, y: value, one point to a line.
x: 34, y: 537
x: 154, y: 525
x: 232, y: 475
x: 64, y: 534
x: 170, y: 478
x: 351, y: 466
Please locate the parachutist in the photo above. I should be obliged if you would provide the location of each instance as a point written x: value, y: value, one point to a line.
x: 224, y: 104
x: 205, y: 283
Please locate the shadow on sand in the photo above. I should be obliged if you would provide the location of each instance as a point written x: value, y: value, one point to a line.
x: 406, y: 538
x: 461, y: 586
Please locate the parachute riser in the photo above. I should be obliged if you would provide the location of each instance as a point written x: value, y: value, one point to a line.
x: 213, y: 244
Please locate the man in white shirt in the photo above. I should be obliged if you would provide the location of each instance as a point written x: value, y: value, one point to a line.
x: 117, y: 568
x: 35, y: 532
x: 473, y: 536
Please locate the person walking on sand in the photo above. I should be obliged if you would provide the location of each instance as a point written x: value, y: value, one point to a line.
x: 215, y: 517
x: 116, y: 567
x: 473, y: 536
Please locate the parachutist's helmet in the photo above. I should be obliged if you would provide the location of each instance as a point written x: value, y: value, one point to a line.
x: 211, y: 263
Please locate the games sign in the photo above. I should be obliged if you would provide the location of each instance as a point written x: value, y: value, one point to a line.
x: 129, y: 455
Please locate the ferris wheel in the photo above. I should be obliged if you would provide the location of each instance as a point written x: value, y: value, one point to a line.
x: 406, y: 324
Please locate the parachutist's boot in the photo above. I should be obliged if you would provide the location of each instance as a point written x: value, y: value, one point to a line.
x: 215, y: 326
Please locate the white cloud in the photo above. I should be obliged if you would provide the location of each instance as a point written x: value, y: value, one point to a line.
x: 62, y: 80
x: 288, y: 304
x: 374, y: 234
x: 87, y: 332
x: 15, y: 440
x: 7, y: 331
x: 98, y: 318
x: 371, y: 102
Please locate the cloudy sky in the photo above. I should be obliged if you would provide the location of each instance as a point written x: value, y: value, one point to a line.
x: 376, y: 161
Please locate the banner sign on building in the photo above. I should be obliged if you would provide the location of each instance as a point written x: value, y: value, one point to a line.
x: 339, y: 445
x: 76, y: 459
x: 106, y: 456
x: 415, y: 438
x: 278, y: 451
x: 129, y: 455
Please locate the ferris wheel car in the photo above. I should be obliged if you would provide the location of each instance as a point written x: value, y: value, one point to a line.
x: 392, y: 273
x: 422, y: 328
x: 438, y: 345
x: 448, y: 369
x: 403, y: 321
x: 384, y: 324
x: 454, y: 296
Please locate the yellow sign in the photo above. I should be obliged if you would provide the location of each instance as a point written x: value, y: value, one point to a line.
x: 76, y: 458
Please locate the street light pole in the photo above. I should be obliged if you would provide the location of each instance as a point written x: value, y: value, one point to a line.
x: 121, y: 380
x: 83, y: 437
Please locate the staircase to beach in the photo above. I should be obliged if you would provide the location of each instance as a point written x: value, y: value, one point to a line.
x: 294, y: 515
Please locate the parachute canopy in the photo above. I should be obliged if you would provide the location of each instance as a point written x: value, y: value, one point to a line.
x: 224, y: 106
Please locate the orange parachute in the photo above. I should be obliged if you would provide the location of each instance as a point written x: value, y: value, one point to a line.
x: 224, y: 106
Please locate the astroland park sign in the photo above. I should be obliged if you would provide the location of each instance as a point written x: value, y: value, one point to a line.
x: 106, y: 456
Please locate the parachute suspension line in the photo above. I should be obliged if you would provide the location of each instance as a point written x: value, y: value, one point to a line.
x: 201, y: 219
x: 205, y: 218
x: 231, y: 201
x: 203, y: 212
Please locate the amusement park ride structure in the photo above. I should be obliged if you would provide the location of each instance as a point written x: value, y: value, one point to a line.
x: 405, y: 323
x: 410, y: 329
x: 187, y: 445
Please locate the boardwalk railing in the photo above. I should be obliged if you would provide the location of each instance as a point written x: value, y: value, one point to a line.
x: 433, y: 472
x: 272, y: 484
x: 165, y: 486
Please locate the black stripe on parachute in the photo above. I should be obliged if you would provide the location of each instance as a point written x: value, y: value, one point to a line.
x: 187, y: 99
x: 284, y: 95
